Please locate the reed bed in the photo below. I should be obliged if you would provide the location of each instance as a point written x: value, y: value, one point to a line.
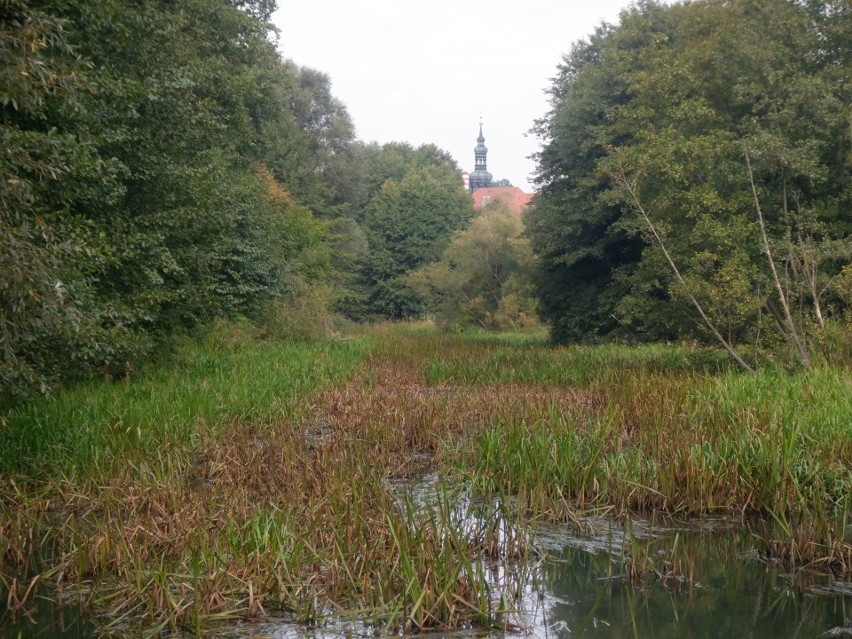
x: 624, y: 429
x: 677, y: 431
x: 256, y: 478
x: 240, y: 485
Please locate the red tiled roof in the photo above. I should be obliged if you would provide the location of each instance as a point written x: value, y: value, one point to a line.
x: 512, y: 195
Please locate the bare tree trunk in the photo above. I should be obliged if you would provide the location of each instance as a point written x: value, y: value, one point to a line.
x: 777, y: 317
x: 816, y: 297
x: 707, y: 321
x: 810, y: 270
x: 788, y: 317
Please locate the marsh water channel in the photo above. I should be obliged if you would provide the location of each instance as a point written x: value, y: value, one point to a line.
x: 691, y: 579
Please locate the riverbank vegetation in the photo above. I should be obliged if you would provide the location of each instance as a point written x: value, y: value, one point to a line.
x: 179, y: 500
x: 164, y: 167
x: 695, y: 181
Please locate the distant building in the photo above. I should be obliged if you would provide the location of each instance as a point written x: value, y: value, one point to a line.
x: 480, y: 178
x: 484, y: 189
x: 511, y: 195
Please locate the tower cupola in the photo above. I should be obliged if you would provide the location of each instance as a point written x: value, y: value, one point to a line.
x: 480, y: 178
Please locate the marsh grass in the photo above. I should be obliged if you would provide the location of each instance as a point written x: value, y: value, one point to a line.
x: 676, y: 431
x: 262, y: 478
x: 251, y: 481
x: 641, y: 429
x: 528, y: 361
x: 154, y: 421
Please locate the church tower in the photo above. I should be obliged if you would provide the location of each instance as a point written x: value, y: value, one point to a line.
x: 480, y: 178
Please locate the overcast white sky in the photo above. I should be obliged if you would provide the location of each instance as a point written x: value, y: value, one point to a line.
x: 425, y: 71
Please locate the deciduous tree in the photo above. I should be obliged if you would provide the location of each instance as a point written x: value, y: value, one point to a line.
x: 482, y: 277
x: 716, y: 135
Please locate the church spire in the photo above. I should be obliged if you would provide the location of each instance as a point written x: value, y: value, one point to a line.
x: 480, y: 178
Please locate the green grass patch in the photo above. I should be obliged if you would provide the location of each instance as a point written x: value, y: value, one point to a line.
x: 528, y: 361
x: 87, y: 430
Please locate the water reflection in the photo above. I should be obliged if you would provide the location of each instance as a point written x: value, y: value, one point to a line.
x: 702, y: 580
x: 46, y: 620
x: 727, y: 598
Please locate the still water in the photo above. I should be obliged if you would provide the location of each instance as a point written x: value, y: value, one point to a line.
x: 701, y: 580
x: 721, y: 590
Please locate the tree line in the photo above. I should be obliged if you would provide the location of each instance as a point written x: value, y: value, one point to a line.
x: 162, y: 165
x: 695, y: 180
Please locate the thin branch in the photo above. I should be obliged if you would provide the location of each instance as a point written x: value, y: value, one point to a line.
x: 788, y: 317
x: 707, y: 321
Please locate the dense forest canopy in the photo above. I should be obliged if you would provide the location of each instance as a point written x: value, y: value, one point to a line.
x: 695, y: 178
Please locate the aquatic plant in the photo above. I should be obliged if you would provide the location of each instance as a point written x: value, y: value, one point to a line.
x: 261, y: 478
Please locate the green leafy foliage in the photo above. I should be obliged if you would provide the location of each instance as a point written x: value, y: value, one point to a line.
x: 145, y: 147
x: 691, y: 131
x: 164, y: 167
x: 573, y: 230
x: 408, y: 224
x: 42, y: 88
x: 321, y: 165
x: 393, y: 160
x: 482, y: 277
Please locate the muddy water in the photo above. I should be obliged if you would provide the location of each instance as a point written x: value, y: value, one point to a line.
x: 697, y: 580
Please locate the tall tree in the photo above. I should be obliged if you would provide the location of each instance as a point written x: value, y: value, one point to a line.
x: 376, y: 268
x: 391, y: 161
x: 408, y: 224
x: 133, y: 198
x: 574, y: 230
x: 723, y: 150
x: 330, y: 181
